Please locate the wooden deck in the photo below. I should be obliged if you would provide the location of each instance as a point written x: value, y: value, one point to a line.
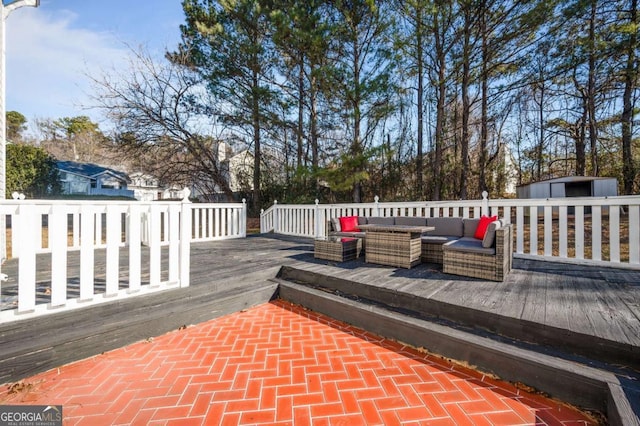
x: 543, y: 302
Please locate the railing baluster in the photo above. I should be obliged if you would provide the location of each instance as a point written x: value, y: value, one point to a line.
x: 533, y: 230
x: 210, y: 222
x: 58, y: 240
x: 634, y: 234
x: 98, y: 229
x: 579, y: 232
x: 76, y: 229
x: 174, y: 242
x: 113, y: 247
x: 548, y: 231
x: 135, y: 251
x: 596, y: 233
x: 154, y: 245
x: 563, y: 230
x: 217, y: 224
x: 614, y: 234
x: 27, y: 260
x: 87, y: 247
x: 520, y: 229
x: 185, y: 244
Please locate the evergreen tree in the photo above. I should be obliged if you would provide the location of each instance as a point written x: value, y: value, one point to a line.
x: 16, y: 124
x: 228, y: 43
x: 363, y: 79
x: 31, y: 171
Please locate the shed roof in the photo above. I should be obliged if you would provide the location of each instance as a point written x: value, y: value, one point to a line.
x: 568, y: 179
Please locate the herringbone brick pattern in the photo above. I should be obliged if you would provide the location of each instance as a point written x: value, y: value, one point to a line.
x: 280, y: 364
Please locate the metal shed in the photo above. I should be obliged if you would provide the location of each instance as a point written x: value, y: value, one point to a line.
x: 572, y: 186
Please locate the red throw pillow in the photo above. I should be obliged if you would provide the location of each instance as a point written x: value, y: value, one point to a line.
x: 483, y: 225
x: 349, y: 224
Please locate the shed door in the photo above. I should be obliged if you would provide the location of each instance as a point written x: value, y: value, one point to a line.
x: 557, y: 190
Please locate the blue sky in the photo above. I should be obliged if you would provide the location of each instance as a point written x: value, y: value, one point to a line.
x: 51, y: 49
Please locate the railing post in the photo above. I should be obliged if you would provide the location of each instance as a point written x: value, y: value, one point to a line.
x: 377, y: 205
x: 262, y: 225
x: 243, y: 219
x: 275, y: 216
x: 185, y: 239
x: 485, y: 204
x: 317, y: 219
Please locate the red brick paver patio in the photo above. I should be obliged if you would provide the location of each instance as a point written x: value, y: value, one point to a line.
x: 280, y: 364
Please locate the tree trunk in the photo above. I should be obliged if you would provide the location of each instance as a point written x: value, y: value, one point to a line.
x: 591, y: 91
x: 484, y: 113
x: 357, y: 118
x: 581, y: 164
x: 630, y: 85
x: 301, y: 93
x: 313, y: 123
x: 466, y: 107
x: 420, y: 106
x: 257, y: 154
x: 441, y: 93
x: 540, y: 147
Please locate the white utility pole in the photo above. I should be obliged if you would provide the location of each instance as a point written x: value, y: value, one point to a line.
x: 6, y: 7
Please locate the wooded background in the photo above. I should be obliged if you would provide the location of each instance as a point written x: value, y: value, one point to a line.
x: 342, y: 100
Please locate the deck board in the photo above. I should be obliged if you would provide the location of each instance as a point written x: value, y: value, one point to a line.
x: 594, y: 301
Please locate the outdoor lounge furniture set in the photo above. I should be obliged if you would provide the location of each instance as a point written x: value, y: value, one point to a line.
x: 480, y: 248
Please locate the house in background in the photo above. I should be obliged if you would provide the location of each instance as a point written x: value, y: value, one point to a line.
x: 240, y: 176
x: 146, y: 187
x: 91, y: 179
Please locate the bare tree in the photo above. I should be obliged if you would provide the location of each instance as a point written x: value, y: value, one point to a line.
x: 159, y: 110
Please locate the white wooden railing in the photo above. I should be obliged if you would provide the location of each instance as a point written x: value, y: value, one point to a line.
x: 131, y: 248
x: 591, y: 230
x: 219, y: 221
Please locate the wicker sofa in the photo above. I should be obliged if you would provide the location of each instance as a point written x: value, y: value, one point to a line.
x: 447, y: 230
x: 452, y: 244
x: 470, y: 257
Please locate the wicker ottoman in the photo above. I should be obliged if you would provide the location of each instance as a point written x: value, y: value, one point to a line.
x: 337, y: 249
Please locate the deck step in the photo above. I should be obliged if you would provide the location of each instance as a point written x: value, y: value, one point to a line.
x: 584, y: 348
x: 618, y: 397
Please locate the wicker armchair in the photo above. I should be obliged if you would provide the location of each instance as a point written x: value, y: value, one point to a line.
x: 486, y: 266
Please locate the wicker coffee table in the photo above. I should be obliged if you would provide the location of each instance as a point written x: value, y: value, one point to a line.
x: 394, y: 245
x: 337, y: 249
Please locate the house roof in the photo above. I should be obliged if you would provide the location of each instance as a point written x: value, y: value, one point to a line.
x: 89, y: 170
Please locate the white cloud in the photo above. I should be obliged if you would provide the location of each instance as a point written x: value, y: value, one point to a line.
x: 48, y: 61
